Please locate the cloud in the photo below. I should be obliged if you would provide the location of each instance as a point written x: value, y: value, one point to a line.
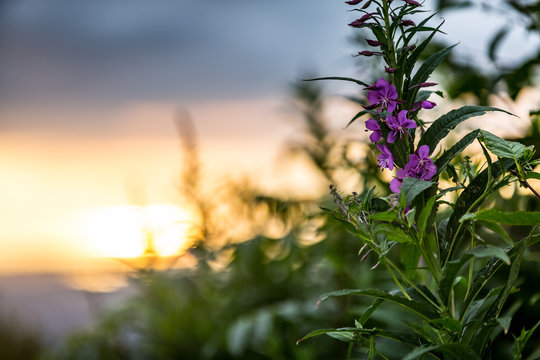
x: 114, y: 51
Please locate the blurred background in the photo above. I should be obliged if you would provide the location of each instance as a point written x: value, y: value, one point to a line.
x: 163, y: 168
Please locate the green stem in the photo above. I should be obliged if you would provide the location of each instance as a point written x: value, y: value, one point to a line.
x: 398, y: 283
x: 454, y: 239
x: 471, y: 270
x: 404, y: 277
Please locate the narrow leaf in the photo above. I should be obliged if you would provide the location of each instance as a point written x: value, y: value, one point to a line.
x: 458, y: 147
x: 532, y: 175
x: 490, y: 251
x: 365, y: 316
x: 450, y: 272
x: 339, y: 78
x: 511, y: 218
x: 411, y: 60
x: 503, y: 148
x: 464, y: 204
x: 420, y: 307
x: 442, y: 126
x: 413, y: 187
x: 429, y: 65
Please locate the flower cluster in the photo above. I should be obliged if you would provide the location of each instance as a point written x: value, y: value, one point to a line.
x: 419, y: 166
x: 389, y: 119
x: 394, y: 109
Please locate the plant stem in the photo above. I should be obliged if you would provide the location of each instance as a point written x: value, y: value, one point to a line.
x: 398, y: 283
x: 413, y: 285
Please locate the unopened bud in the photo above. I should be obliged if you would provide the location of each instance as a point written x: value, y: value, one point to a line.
x: 407, y: 23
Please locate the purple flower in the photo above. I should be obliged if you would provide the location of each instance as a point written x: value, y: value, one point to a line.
x: 385, y: 158
x: 398, y: 125
x: 374, y: 126
x: 397, y: 181
x: 412, y: 2
x: 420, y: 165
x: 385, y: 94
x: 389, y: 70
x: 426, y: 104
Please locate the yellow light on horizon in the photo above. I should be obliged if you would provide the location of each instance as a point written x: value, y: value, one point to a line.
x: 125, y: 231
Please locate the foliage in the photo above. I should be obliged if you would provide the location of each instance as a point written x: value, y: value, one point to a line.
x: 443, y: 261
x: 494, y: 75
x: 426, y: 234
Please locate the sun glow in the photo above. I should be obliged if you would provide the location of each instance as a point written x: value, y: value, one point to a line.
x: 132, y: 231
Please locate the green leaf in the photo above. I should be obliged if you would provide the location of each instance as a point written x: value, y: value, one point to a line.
x: 481, y: 339
x: 345, y: 336
x: 450, y: 272
x: 449, y: 324
x: 454, y: 351
x: 409, y: 256
x: 484, y: 274
x: 442, y: 126
x: 419, y: 351
x: 415, y: 55
x: 358, y: 115
x: 388, y: 216
x: 505, y: 321
x: 503, y: 148
x: 393, y: 233
x: 413, y: 187
x: 496, y: 42
x: 345, y: 333
x: 449, y: 154
x: 497, y: 229
x: 339, y: 78
x: 365, y: 316
x: 321, y: 332
x: 422, y: 308
x: 424, y: 215
x: 428, y: 67
x: 532, y: 175
x: 511, y: 218
x: 464, y: 204
x: 490, y: 251
x: 520, y: 342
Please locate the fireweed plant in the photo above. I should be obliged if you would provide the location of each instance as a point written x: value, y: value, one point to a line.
x: 426, y: 233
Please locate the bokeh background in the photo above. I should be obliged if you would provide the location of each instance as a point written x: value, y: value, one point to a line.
x: 157, y: 154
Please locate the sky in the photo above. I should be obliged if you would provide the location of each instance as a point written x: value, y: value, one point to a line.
x: 90, y: 92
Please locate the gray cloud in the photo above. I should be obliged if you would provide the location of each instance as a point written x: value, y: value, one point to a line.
x: 113, y: 51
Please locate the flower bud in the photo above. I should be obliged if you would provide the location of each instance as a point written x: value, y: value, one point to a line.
x: 366, y: 53
x: 365, y: 17
x: 373, y: 42
x: 353, y: 2
x: 407, y: 23
x: 389, y: 70
x: 424, y: 84
x: 412, y: 2
x: 426, y: 104
x: 357, y: 23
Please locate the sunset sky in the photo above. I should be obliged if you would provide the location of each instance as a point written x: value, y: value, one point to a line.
x: 91, y: 90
